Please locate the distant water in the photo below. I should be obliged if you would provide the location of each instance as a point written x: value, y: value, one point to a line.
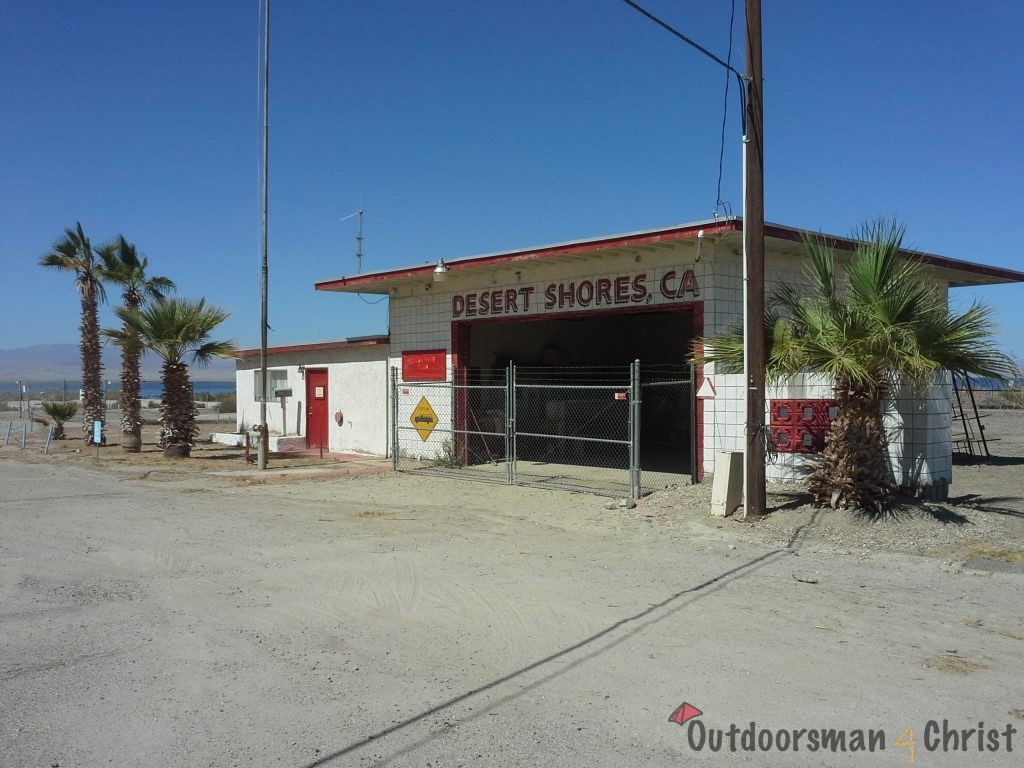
x: 52, y: 390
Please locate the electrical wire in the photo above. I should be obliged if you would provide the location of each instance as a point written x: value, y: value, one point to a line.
x: 259, y: 113
x: 740, y: 78
x: 681, y: 36
x: 719, y: 202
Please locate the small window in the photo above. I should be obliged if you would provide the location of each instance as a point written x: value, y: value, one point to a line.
x: 278, y: 379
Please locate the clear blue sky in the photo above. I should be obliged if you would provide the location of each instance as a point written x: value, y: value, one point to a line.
x: 468, y: 127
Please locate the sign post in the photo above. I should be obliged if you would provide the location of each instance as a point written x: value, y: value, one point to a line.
x: 97, y: 435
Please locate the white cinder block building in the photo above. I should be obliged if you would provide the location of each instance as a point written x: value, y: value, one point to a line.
x: 609, y: 301
x: 337, y: 393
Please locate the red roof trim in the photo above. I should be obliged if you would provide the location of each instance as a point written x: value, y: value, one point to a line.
x: 687, y: 231
x: 369, y: 341
x: 534, y: 254
x: 931, y: 259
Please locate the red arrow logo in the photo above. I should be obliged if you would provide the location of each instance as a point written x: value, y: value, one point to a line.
x: 683, y: 713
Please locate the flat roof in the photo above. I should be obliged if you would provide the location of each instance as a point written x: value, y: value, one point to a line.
x: 382, y: 280
x: 355, y: 341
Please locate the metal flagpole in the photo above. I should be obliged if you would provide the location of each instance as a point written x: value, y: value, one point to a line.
x: 264, y: 437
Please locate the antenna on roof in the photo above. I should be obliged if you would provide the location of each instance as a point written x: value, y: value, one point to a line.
x: 359, y: 239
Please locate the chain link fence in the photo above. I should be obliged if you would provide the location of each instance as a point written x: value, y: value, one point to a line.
x: 988, y: 419
x: 456, y: 428
x: 572, y: 428
x: 668, y: 439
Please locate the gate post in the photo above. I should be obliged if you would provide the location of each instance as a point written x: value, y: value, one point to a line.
x: 509, y: 458
x: 394, y: 418
x: 694, y: 404
x: 513, y: 448
x: 634, y: 429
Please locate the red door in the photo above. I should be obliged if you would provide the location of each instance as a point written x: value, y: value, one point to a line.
x: 316, y: 408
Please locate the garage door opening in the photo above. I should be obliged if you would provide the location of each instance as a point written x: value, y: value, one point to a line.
x: 596, y: 348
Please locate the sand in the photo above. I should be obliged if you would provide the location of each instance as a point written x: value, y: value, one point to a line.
x: 157, y: 614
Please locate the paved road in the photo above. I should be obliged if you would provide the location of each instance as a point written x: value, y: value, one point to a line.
x: 422, y: 622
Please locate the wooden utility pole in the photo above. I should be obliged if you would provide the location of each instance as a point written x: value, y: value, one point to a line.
x: 753, y: 255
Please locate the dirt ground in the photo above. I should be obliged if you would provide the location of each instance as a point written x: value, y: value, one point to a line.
x: 154, y: 613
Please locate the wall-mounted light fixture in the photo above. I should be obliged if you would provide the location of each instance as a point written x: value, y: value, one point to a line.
x: 302, y: 372
x: 440, y: 271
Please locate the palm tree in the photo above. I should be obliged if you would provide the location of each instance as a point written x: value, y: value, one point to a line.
x: 137, y: 286
x: 61, y: 413
x: 888, y: 325
x: 178, y: 332
x: 74, y: 253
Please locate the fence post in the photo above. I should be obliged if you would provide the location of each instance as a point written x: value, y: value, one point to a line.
x: 49, y: 437
x: 694, y: 404
x: 513, y: 471
x: 10, y: 425
x: 634, y: 430
x: 24, y: 434
x: 394, y: 418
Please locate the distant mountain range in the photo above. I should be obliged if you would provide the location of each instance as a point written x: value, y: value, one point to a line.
x: 52, y: 362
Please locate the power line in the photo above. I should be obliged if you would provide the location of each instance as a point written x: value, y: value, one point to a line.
x: 719, y: 203
x: 665, y: 25
x: 727, y: 65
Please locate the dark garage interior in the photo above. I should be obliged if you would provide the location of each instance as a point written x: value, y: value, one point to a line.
x: 594, y: 349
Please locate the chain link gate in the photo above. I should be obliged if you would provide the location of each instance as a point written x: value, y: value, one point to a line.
x: 571, y: 428
x: 457, y: 428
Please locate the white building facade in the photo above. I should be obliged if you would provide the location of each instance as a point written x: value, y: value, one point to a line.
x: 334, y: 394
x: 647, y: 296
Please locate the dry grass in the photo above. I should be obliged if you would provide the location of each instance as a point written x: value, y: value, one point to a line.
x: 952, y: 664
x: 987, y: 551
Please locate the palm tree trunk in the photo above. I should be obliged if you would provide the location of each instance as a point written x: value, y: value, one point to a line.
x: 92, y: 370
x: 853, y: 470
x: 131, y: 380
x: 177, y: 411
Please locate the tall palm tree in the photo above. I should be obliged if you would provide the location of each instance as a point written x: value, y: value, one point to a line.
x: 177, y: 331
x: 888, y: 325
x: 74, y: 253
x: 130, y: 273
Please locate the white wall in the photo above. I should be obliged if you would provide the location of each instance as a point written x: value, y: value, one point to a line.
x: 357, y: 384
x: 421, y: 318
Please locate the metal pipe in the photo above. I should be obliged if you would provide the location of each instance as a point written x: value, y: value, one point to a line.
x: 394, y: 418
x: 634, y: 421
x: 262, y: 448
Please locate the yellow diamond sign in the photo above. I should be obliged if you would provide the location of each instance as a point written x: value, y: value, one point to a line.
x: 424, y: 419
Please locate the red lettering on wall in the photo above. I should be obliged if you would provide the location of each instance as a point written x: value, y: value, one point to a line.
x: 524, y: 293
x: 604, y: 291
x: 621, y: 289
x: 640, y: 288
x: 470, y: 305
x: 585, y: 293
x: 666, y: 289
x: 458, y: 305
x: 688, y: 284
x: 549, y: 297
x: 510, y: 300
x: 565, y: 295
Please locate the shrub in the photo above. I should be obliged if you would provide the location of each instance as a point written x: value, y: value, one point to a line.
x: 60, y: 413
